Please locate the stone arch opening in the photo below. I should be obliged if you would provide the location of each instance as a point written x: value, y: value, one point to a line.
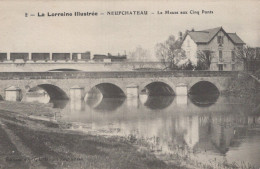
x: 203, y: 88
x: 64, y: 70
x: 204, y: 94
x: 158, y: 89
x: 105, y: 90
x: 47, y: 90
x: 105, y: 96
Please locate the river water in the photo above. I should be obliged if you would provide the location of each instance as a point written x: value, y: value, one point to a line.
x: 210, y: 128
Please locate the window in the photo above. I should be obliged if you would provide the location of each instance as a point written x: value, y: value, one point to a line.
x: 220, y: 67
x: 220, y: 40
x: 233, y: 57
x: 220, y: 56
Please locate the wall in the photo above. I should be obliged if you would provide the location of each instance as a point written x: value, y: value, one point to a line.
x: 190, y: 47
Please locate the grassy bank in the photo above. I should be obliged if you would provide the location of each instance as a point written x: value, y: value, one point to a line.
x: 30, y: 143
x: 25, y: 108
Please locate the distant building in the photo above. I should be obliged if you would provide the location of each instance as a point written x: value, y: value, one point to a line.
x: 99, y: 57
x: 21, y: 56
x: 40, y: 56
x: 217, y: 40
x: 56, y: 57
x: 3, y: 57
x: 81, y: 56
x: 112, y: 58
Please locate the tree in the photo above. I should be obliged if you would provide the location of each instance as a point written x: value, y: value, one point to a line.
x: 168, y: 51
x: 204, y: 59
x: 139, y: 54
x: 245, y: 55
x: 186, y: 65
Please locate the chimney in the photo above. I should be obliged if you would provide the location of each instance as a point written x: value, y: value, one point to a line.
x: 180, y: 35
x: 192, y: 30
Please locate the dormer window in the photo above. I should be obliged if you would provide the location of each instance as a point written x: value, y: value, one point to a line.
x: 188, y: 43
x: 220, y: 40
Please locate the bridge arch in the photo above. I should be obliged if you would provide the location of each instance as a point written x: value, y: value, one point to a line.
x: 53, y: 91
x: 64, y: 70
x: 158, y: 87
x: 105, y: 89
x: 204, y: 87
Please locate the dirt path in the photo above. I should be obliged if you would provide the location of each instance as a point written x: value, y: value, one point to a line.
x: 10, y: 156
x: 26, y: 154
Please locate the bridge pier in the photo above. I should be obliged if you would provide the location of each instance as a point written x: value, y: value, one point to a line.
x: 132, y: 91
x: 76, y: 93
x: 13, y: 94
x: 182, y: 100
x: 181, y: 89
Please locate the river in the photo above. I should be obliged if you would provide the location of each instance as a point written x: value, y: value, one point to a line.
x: 210, y: 128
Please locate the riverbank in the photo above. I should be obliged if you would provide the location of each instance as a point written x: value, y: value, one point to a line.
x: 244, y: 87
x: 32, y: 143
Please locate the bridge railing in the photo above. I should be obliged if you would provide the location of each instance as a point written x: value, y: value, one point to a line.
x: 126, y: 74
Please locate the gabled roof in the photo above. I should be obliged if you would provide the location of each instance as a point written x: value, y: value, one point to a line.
x: 205, y: 36
x: 235, y: 38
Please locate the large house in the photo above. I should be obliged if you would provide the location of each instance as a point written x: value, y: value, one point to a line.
x: 221, y: 44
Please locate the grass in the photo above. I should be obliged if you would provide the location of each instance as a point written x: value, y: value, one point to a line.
x: 23, y: 108
x: 91, y: 151
x: 53, y: 147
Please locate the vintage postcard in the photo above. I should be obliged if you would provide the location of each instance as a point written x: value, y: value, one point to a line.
x: 130, y: 84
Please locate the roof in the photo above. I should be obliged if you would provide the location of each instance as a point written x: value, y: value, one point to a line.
x: 235, y: 38
x: 205, y: 36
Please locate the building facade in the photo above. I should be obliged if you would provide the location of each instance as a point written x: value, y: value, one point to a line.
x: 221, y: 45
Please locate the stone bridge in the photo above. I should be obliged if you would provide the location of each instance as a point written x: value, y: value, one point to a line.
x: 61, y: 85
x: 42, y: 66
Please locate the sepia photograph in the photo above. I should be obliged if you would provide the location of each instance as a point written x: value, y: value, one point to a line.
x: 128, y: 84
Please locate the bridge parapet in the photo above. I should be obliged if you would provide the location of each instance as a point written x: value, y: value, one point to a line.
x: 126, y: 74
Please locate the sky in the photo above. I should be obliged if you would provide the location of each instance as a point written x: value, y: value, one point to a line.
x: 104, y: 34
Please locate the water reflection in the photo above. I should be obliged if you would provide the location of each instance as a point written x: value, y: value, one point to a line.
x: 109, y: 104
x: 61, y: 104
x: 208, y: 128
x: 77, y: 105
x: 158, y: 102
x: 182, y: 100
x: 204, y: 100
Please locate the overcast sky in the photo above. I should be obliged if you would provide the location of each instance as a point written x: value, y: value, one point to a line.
x: 103, y: 34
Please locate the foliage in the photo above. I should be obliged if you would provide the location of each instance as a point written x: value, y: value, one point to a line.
x: 168, y: 51
x: 245, y: 55
x: 139, y: 54
x: 204, y: 59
